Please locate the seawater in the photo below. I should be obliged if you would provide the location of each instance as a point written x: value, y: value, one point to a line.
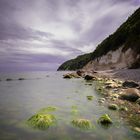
x: 19, y: 100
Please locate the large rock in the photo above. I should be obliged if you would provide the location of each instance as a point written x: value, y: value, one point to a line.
x: 130, y: 84
x: 71, y: 75
x: 89, y: 77
x: 113, y: 107
x: 130, y: 94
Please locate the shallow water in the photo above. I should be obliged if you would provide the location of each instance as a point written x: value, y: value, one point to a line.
x: 19, y: 100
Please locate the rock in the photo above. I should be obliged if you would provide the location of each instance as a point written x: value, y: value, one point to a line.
x: 82, y: 123
x: 21, y: 79
x: 70, y: 75
x: 123, y: 108
x: 130, y: 94
x: 113, y: 107
x: 80, y: 73
x: 90, y: 97
x: 8, y: 79
x: 138, y: 101
x: 130, y: 84
x: 89, y: 77
x: 137, y: 129
x: 105, y: 120
x: 101, y: 100
x: 67, y: 76
x: 42, y: 121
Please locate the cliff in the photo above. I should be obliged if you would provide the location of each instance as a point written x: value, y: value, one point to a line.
x: 119, y: 50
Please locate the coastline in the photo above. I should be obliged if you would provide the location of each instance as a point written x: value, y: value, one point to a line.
x: 119, y: 90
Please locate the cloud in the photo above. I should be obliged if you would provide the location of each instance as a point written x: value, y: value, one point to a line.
x: 42, y: 34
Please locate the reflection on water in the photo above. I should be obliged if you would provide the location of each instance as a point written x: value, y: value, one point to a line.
x: 21, y: 99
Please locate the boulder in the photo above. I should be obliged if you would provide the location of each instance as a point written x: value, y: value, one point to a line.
x: 8, y: 79
x: 130, y: 84
x: 113, y: 107
x: 21, y: 79
x: 105, y: 120
x: 138, y: 101
x: 80, y: 72
x: 130, y: 94
x: 89, y: 77
x: 71, y: 75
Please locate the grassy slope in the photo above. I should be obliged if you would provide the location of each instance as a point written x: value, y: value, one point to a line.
x: 128, y: 34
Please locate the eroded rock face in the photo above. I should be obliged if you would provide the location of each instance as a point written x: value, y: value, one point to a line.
x: 130, y: 94
x: 130, y: 84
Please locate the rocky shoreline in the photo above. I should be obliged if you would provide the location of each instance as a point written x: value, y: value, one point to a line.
x: 117, y: 94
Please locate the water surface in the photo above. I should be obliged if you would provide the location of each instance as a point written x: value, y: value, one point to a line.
x: 19, y: 100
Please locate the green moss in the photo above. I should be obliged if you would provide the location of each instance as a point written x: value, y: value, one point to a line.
x: 105, y: 120
x: 113, y: 107
x: 90, y: 98
x: 42, y: 121
x: 82, y: 123
x: 74, y: 110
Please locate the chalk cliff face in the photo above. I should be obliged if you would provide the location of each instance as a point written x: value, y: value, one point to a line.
x: 114, y: 60
x: 119, y: 50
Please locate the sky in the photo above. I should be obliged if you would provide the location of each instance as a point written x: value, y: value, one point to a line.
x: 39, y: 35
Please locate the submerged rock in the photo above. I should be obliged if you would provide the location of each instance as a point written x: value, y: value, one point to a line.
x: 90, y: 97
x: 130, y: 84
x: 101, y: 100
x: 130, y: 94
x: 82, y: 123
x: 9, y: 79
x: 105, y: 120
x: 42, y: 121
x: 113, y: 107
x: 21, y: 79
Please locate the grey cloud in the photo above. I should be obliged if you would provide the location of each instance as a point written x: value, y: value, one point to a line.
x: 22, y: 22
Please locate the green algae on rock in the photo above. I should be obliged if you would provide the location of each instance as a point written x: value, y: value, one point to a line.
x: 113, y: 107
x: 90, y: 98
x: 82, y: 124
x: 42, y: 121
x: 105, y: 120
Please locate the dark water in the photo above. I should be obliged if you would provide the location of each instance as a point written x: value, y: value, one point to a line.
x: 19, y: 100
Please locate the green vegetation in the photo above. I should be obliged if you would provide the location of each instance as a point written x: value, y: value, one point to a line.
x: 76, y: 63
x: 42, y: 121
x: 128, y: 34
x: 105, y: 120
x: 90, y: 98
x: 82, y: 123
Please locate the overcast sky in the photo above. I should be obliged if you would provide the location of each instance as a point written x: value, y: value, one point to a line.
x: 42, y: 34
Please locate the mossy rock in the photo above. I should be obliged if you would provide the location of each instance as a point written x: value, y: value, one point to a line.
x: 113, y: 107
x: 105, y: 120
x: 123, y: 108
x: 42, y: 121
x: 90, y: 98
x: 82, y: 123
